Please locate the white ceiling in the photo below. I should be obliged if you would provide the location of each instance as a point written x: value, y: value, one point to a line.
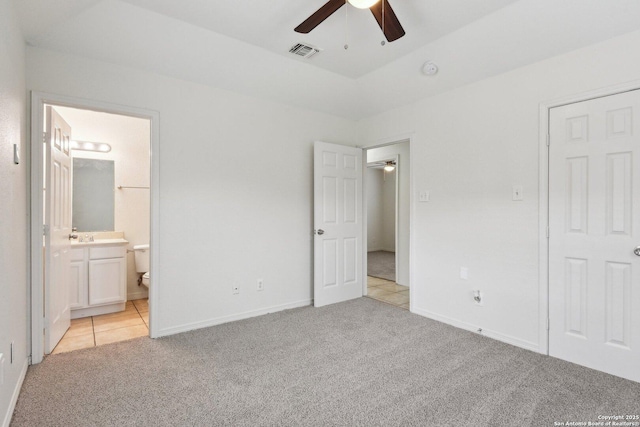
x: 242, y: 45
x: 270, y: 24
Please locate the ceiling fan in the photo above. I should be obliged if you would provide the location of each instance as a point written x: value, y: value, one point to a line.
x: 381, y: 10
x: 388, y: 166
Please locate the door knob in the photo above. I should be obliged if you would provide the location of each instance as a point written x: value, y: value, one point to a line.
x: 321, y: 232
x: 637, y: 250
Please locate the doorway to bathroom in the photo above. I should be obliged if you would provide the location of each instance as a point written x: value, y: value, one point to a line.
x: 387, y: 219
x: 94, y: 176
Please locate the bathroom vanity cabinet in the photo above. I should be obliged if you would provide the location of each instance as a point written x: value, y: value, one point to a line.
x: 98, y: 279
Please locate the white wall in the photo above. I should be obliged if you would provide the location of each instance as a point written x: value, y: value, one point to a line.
x: 469, y: 147
x: 235, y: 187
x: 403, y: 173
x: 13, y: 211
x: 374, y: 209
x: 129, y: 138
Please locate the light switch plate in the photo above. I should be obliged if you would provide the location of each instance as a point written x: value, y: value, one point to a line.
x: 464, y: 273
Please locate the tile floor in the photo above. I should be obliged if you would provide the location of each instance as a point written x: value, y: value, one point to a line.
x: 388, y: 291
x: 92, y: 331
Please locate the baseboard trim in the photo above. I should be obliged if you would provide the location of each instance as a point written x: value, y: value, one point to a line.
x: 232, y: 318
x: 16, y: 393
x: 381, y: 249
x: 138, y: 295
x: 527, y: 345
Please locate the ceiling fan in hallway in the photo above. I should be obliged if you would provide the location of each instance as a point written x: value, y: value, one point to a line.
x: 381, y: 9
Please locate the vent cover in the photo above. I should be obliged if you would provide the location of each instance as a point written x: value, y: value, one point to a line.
x: 303, y: 50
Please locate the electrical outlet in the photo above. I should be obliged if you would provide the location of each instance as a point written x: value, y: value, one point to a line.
x: 235, y: 289
x: 260, y: 285
x: 478, y: 298
x: 424, y: 196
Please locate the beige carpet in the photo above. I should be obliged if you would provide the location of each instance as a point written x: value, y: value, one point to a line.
x: 382, y: 264
x: 359, y: 363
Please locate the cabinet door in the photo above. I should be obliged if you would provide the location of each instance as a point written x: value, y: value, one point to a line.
x: 107, y: 281
x: 78, y: 285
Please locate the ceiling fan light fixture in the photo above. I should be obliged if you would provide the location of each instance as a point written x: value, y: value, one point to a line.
x: 390, y: 166
x: 362, y: 4
x: 382, y: 12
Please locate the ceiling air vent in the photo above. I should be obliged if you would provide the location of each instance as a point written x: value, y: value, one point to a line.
x: 303, y: 50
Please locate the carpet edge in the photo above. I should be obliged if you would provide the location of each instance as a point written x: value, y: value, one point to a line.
x: 498, y: 336
x: 232, y: 317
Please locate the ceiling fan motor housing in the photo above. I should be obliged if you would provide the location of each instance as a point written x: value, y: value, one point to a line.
x: 381, y: 10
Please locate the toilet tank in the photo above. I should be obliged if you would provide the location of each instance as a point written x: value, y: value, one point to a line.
x: 142, y: 258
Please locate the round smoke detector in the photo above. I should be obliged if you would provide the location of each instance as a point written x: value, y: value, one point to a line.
x: 429, y: 68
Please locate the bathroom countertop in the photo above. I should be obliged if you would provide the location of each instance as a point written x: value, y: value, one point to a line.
x: 99, y: 242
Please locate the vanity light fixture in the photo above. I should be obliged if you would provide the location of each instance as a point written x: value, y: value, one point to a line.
x: 100, y: 147
x: 390, y: 166
x: 362, y: 4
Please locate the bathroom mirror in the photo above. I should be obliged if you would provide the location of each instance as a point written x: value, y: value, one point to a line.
x: 93, y: 195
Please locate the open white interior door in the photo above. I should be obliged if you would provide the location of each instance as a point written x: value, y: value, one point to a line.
x: 337, y: 223
x: 594, y: 218
x: 58, y: 223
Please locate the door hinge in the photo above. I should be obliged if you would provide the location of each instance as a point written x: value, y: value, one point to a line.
x: 548, y: 140
x: 45, y: 229
x: 548, y: 324
x: 44, y: 137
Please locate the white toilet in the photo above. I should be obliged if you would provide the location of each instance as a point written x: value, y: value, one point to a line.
x: 141, y: 253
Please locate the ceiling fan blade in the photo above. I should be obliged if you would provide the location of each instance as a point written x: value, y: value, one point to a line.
x: 392, y: 29
x: 320, y: 15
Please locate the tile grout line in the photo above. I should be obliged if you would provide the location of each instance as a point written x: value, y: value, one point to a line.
x: 140, y: 314
x: 93, y: 330
x: 390, y: 292
x: 388, y: 303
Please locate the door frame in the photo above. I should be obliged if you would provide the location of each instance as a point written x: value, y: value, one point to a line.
x: 543, y: 196
x: 35, y: 184
x: 394, y: 158
x: 385, y: 142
